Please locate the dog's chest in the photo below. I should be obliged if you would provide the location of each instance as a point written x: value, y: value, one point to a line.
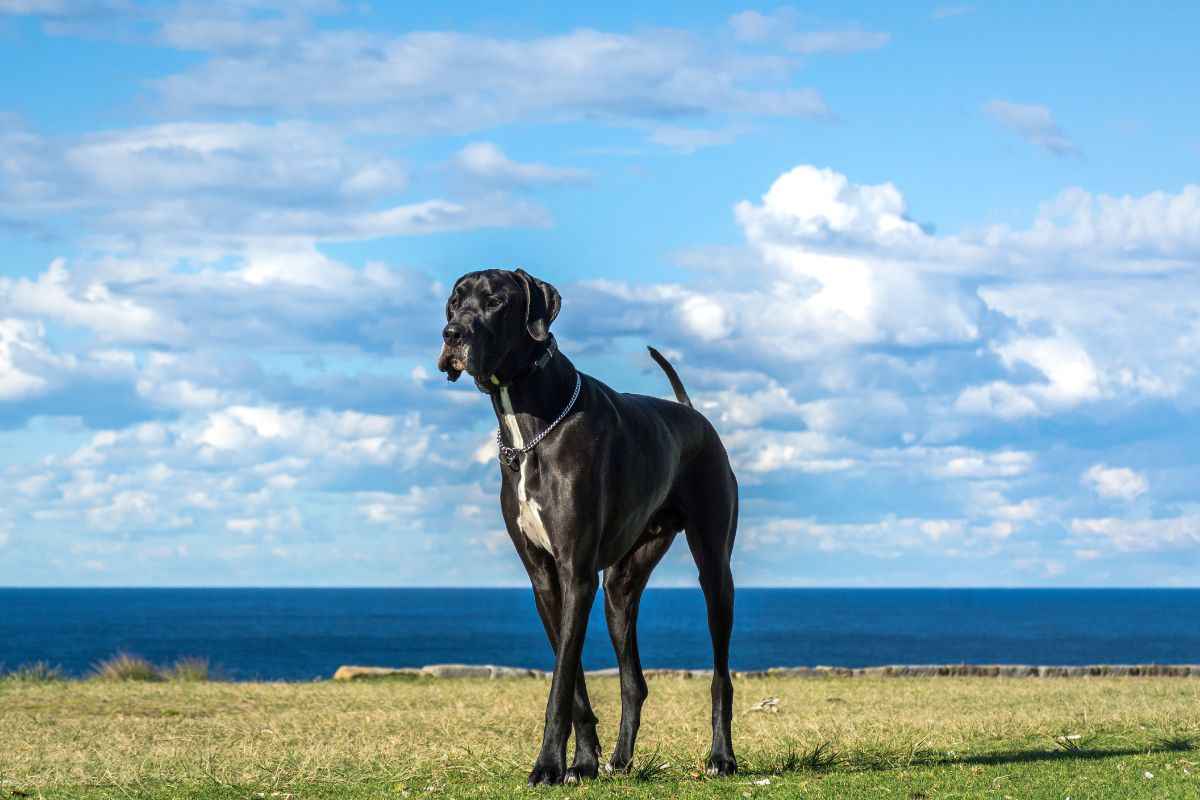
x: 529, y: 512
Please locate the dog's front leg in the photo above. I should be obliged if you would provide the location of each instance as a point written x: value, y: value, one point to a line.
x: 579, y: 591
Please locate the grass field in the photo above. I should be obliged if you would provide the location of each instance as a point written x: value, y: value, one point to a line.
x: 915, y: 739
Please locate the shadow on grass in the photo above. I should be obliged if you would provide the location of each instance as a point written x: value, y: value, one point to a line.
x: 824, y: 759
x: 1030, y: 756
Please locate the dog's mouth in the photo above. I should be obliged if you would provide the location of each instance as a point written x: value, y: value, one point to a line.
x: 454, y: 362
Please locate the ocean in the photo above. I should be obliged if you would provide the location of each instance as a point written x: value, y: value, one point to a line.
x: 302, y: 634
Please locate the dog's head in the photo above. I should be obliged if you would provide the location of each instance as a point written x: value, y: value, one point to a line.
x: 495, y: 320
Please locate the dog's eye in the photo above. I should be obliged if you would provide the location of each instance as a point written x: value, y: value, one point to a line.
x: 494, y: 302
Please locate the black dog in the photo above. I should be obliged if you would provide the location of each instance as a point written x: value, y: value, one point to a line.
x: 616, y: 477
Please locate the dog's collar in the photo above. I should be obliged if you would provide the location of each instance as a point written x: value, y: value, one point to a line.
x: 511, y: 456
x: 539, y: 362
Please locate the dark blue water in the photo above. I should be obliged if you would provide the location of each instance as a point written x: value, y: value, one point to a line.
x: 299, y: 634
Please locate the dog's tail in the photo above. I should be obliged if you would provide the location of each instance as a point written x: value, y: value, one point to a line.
x: 677, y: 385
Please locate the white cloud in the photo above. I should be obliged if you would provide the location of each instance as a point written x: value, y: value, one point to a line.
x: 843, y: 349
x: 758, y: 451
x: 279, y: 162
x: 782, y: 26
x: 1034, y: 124
x: 1042, y: 567
x: 810, y: 205
x: 65, y: 9
x: 486, y: 161
x: 1023, y: 511
x: 132, y: 509
x: 386, y: 508
x: 449, y: 81
x: 887, y: 538
x: 1137, y: 332
x: 38, y: 378
x: 743, y: 407
x: 1071, y: 379
x: 91, y: 305
x: 1148, y: 233
x: 690, y: 140
x: 1115, y: 483
x: 33, y: 6
x: 247, y: 470
x: 271, y: 294
x: 240, y: 433
x: 832, y: 267
x: 962, y: 463
x: 237, y: 27
x: 752, y: 26
x: 266, y: 440
x: 279, y: 521
x: 1140, y: 535
x: 204, y: 189
x: 829, y: 267
x: 23, y: 355
x: 705, y: 318
x: 1068, y: 369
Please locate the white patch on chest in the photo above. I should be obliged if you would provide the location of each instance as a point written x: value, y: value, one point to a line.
x: 529, y: 513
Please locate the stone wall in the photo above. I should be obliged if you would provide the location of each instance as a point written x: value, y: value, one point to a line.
x: 349, y: 673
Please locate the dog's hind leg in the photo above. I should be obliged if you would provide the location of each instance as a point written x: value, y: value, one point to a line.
x: 623, y: 586
x: 711, y: 526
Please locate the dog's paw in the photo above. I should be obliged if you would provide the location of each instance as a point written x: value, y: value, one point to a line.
x: 579, y: 772
x: 586, y: 764
x: 720, y: 766
x: 546, y: 775
x: 618, y: 766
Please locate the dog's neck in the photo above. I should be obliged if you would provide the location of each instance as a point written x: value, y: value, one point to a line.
x: 536, y: 399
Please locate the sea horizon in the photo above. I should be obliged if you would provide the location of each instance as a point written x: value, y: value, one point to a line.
x: 515, y: 587
x: 302, y: 633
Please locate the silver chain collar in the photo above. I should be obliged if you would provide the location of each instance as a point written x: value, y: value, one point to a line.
x: 511, y: 456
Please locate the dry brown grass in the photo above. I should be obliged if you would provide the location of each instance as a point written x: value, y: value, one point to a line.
x: 280, y: 735
x: 189, y: 669
x: 36, y: 672
x: 126, y: 667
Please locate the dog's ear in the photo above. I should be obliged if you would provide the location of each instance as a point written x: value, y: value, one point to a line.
x: 542, y: 302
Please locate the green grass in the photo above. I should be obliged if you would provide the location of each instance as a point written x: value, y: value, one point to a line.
x: 912, y: 739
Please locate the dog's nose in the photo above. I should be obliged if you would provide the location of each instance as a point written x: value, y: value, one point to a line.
x: 452, y: 333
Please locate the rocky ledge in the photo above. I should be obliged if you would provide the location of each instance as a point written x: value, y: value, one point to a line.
x: 351, y: 673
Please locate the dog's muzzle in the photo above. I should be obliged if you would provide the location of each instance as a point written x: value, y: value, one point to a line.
x: 455, y: 352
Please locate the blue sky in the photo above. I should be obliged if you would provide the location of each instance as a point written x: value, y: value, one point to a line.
x: 931, y: 270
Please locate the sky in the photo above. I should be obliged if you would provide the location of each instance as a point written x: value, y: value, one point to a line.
x: 933, y: 271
